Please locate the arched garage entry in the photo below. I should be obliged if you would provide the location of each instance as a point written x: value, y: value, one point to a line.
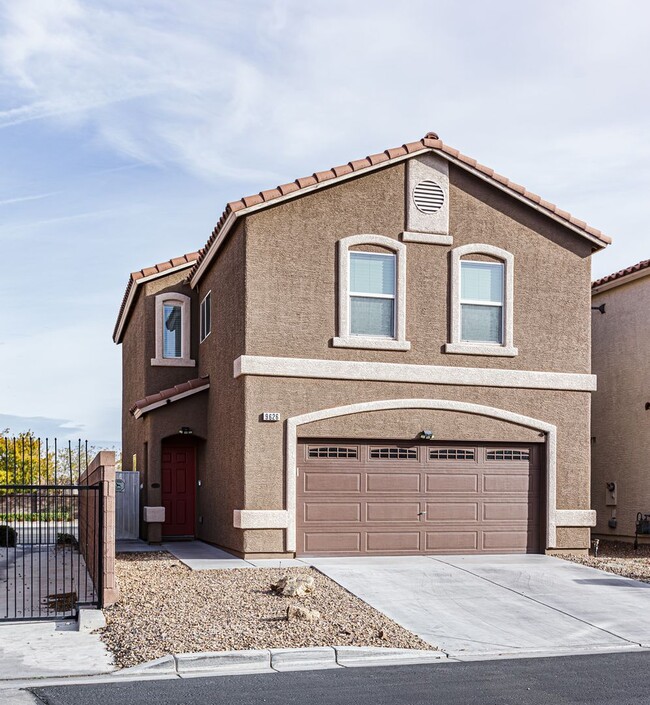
x: 292, y: 450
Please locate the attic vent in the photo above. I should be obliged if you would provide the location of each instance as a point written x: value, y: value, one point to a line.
x: 428, y: 196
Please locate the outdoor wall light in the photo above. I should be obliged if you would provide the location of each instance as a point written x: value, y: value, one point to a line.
x: 185, y: 431
x: 426, y: 435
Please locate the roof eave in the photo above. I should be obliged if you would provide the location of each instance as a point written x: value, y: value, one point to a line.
x: 120, y: 324
x: 163, y: 402
x: 619, y: 281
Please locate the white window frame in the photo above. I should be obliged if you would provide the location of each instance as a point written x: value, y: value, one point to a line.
x: 456, y: 344
x: 202, y: 309
x: 184, y: 302
x: 370, y: 342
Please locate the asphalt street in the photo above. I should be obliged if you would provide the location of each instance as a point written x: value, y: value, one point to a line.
x: 623, y: 679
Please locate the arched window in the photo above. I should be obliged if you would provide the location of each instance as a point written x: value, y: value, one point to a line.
x: 173, y: 330
x: 371, y: 293
x: 481, y: 301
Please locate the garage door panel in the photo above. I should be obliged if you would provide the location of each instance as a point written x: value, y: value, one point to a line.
x: 331, y: 482
x: 451, y: 511
x: 358, y: 498
x: 508, y: 511
x: 332, y: 512
x: 520, y: 482
x: 392, y: 541
x: 395, y: 482
x: 506, y: 541
x: 393, y: 512
x: 332, y: 542
x: 451, y: 482
x: 451, y: 541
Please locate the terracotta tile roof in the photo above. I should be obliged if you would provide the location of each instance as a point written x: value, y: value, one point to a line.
x: 159, y: 268
x: 429, y: 141
x: 645, y: 264
x: 165, y: 394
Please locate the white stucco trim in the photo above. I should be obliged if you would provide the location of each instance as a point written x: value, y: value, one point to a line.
x: 420, y: 374
x: 456, y: 344
x: 427, y: 238
x: 260, y: 519
x: 552, y: 515
x: 575, y: 517
x: 186, y: 321
x: 344, y: 338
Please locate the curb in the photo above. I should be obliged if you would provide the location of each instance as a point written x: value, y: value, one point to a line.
x: 279, y: 660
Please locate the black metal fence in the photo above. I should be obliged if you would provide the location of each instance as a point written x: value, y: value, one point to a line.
x: 46, y: 533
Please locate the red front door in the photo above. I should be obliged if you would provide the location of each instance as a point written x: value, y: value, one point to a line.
x: 178, y: 487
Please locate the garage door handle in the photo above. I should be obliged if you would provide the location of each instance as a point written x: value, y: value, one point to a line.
x: 421, y: 514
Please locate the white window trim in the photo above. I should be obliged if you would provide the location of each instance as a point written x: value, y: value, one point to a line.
x: 201, y: 317
x: 458, y: 346
x: 184, y: 360
x: 367, y: 342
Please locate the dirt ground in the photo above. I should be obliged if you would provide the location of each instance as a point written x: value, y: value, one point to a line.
x: 619, y: 557
x: 167, y: 608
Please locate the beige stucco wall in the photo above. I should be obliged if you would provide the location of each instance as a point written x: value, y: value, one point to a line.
x: 620, y: 422
x: 291, y: 275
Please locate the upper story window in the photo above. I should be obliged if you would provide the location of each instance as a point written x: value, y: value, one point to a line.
x: 172, y: 330
x: 371, y: 293
x: 482, y: 302
x: 206, y: 317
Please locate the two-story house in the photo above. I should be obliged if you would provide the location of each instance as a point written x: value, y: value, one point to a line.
x: 388, y: 357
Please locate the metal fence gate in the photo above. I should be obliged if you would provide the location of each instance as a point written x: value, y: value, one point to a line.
x: 50, y: 530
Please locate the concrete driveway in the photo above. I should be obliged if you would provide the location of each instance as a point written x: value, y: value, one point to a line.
x: 485, y: 606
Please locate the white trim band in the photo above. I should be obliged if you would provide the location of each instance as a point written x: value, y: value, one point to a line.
x: 419, y: 374
x: 260, y: 518
x: 427, y: 238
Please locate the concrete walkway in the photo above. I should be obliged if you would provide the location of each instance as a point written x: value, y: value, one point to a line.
x: 49, y: 649
x: 198, y: 555
x: 487, y: 606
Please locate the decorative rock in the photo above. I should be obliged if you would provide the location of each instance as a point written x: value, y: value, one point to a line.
x: 293, y: 586
x: 302, y: 613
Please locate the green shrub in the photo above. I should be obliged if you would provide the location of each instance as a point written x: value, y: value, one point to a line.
x: 8, y: 537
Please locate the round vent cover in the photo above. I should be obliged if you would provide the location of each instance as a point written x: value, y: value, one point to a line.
x: 428, y: 196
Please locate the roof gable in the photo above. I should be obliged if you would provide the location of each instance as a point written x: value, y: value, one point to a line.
x: 429, y: 143
x: 162, y: 269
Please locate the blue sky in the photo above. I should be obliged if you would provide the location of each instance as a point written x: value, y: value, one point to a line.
x: 126, y: 127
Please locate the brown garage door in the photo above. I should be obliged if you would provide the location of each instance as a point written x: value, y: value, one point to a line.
x: 406, y: 498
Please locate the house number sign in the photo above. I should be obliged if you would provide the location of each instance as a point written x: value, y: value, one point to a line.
x: 270, y: 416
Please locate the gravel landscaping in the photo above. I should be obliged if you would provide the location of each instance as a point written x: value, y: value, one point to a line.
x: 167, y: 608
x: 620, y: 558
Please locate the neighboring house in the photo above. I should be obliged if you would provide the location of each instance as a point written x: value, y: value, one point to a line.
x: 391, y: 356
x: 620, y: 425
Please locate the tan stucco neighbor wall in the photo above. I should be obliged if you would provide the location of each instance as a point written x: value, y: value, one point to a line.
x: 620, y: 422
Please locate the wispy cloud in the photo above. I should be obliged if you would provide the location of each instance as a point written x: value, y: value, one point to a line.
x: 23, y: 199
